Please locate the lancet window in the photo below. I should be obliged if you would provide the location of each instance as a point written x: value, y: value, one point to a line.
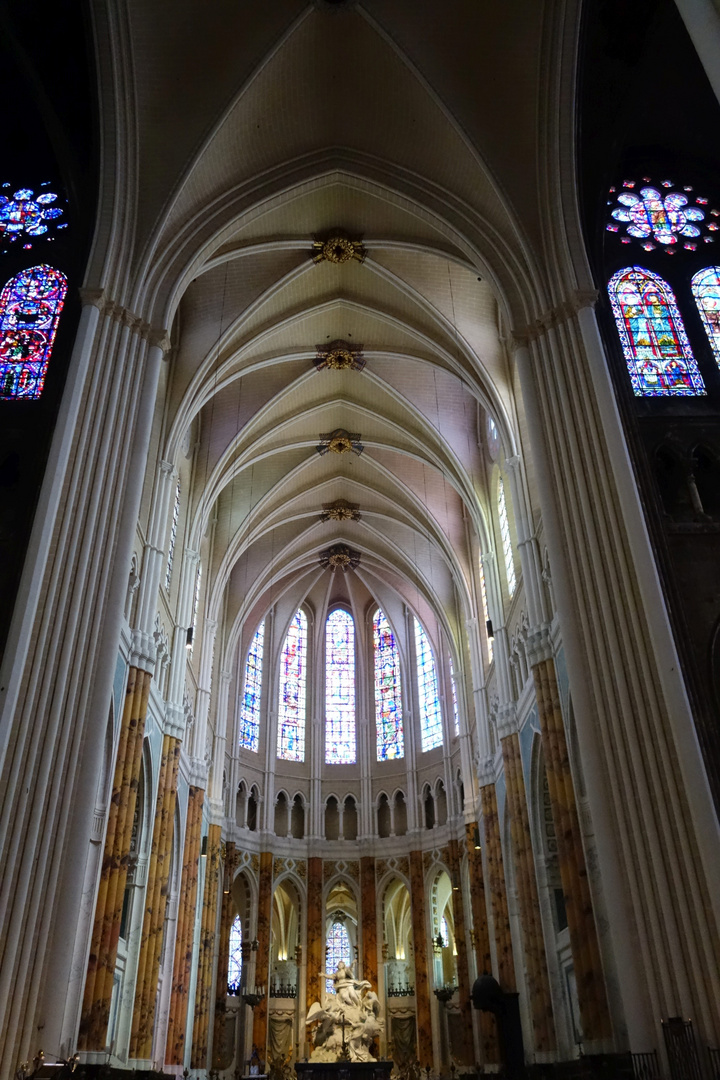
x: 340, y: 740
x: 486, y: 616
x: 30, y: 306
x: 427, y: 685
x: 506, y: 541
x: 706, y: 290
x: 292, y: 704
x: 250, y: 709
x: 388, y: 696
x: 173, y: 536
x: 235, y: 957
x: 337, y: 948
x: 657, y: 351
x: 453, y: 689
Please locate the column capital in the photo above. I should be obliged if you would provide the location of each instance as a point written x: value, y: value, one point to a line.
x: 165, y: 467
x: 538, y: 644
x: 513, y: 463
x: 507, y: 721
x: 143, y: 653
x: 485, y: 770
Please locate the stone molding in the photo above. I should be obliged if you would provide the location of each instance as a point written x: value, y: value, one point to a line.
x: 157, y: 336
x: 554, y: 316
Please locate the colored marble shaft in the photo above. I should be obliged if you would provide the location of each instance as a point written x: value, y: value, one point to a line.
x: 113, y: 877
x: 204, y: 989
x: 463, y: 969
x: 592, y: 997
x: 368, y: 901
x: 187, y: 902
x: 422, y: 985
x: 538, y: 980
x: 498, y: 893
x: 262, y: 963
x: 227, y: 915
x: 483, y: 961
x: 315, y: 931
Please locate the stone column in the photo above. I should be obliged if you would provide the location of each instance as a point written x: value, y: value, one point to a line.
x: 538, y: 982
x: 498, y: 892
x: 422, y: 983
x: 368, y: 902
x: 113, y: 878
x: 203, y: 991
x: 592, y: 997
x: 227, y: 915
x: 262, y: 960
x: 463, y: 968
x: 488, y: 1027
x: 315, y: 931
x: 155, y: 903
x: 182, y: 964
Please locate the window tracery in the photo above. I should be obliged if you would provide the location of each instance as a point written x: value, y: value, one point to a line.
x: 428, y: 700
x: 706, y: 290
x: 340, y: 740
x: 250, y: 709
x: 291, y: 708
x: 388, y: 696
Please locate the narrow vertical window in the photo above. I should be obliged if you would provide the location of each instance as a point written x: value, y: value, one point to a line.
x: 506, y: 541
x: 196, y: 606
x: 706, y: 290
x: 30, y: 306
x: 453, y: 688
x: 388, y: 696
x: 339, y: 688
x: 337, y: 948
x: 486, y: 616
x: 652, y: 335
x: 291, y: 707
x: 427, y: 685
x: 173, y: 536
x: 235, y: 957
x: 250, y: 709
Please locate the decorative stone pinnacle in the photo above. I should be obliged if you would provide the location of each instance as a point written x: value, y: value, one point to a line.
x: 340, y: 557
x: 340, y: 510
x: 340, y: 441
x: 339, y: 356
x: 337, y: 248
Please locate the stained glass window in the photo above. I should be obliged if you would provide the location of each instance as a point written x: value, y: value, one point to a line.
x: 486, y: 617
x: 337, y: 948
x: 25, y: 215
x: 428, y: 699
x: 444, y: 933
x: 653, y: 338
x: 235, y: 959
x: 453, y: 687
x: 30, y: 306
x: 506, y: 541
x: 173, y: 536
x: 250, y: 709
x: 388, y: 696
x: 666, y: 219
x: 706, y: 290
x: 291, y: 709
x: 196, y: 605
x: 339, y: 688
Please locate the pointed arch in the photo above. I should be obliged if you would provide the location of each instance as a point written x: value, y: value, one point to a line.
x: 251, y: 699
x: 388, y: 691
x: 30, y: 306
x: 706, y: 290
x: 292, y: 703
x: 431, y: 733
x: 657, y: 351
x: 340, y: 740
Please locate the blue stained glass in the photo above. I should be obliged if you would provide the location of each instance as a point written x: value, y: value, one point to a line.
x: 388, y: 696
x: 444, y: 933
x: 653, y: 338
x: 339, y: 688
x: 27, y: 215
x: 30, y: 306
x: 428, y: 699
x: 250, y: 709
x: 291, y: 709
x: 337, y: 948
x: 453, y: 687
x: 706, y: 290
x: 235, y: 958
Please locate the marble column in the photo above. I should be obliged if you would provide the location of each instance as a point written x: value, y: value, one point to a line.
x: 498, y: 891
x: 113, y: 877
x: 262, y: 960
x: 182, y: 964
x: 592, y: 997
x: 488, y: 1027
x: 315, y: 931
x: 368, y: 901
x: 227, y: 915
x: 203, y: 991
x: 420, y: 947
x: 538, y: 981
x: 463, y: 968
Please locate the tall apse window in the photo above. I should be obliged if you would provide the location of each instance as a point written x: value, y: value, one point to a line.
x: 30, y: 306
x: 250, y: 708
x: 337, y: 948
x: 235, y: 957
x: 388, y: 696
x: 453, y: 688
x: 173, y: 536
x: 291, y: 708
x: 428, y: 699
x: 486, y: 616
x: 339, y: 688
x: 706, y: 290
x: 506, y: 541
x: 652, y: 335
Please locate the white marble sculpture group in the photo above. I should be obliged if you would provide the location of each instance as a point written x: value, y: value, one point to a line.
x: 347, y: 1021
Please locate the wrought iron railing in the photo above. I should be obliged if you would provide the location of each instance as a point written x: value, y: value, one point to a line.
x: 283, y: 990
x: 645, y: 1066
x: 714, y: 1059
x: 681, y: 1049
x: 400, y: 991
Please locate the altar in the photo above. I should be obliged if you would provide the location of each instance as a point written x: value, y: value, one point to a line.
x: 343, y: 1070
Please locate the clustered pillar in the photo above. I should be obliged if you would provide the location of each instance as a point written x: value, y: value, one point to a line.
x: 483, y: 960
x: 368, y: 899
x: 260, y: 1014
x: 203, y: 992
x: 113, y: 878
x: 227, y: 915
x: 182, y: 965
x: 422, y: 984
x: 463, y: 969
